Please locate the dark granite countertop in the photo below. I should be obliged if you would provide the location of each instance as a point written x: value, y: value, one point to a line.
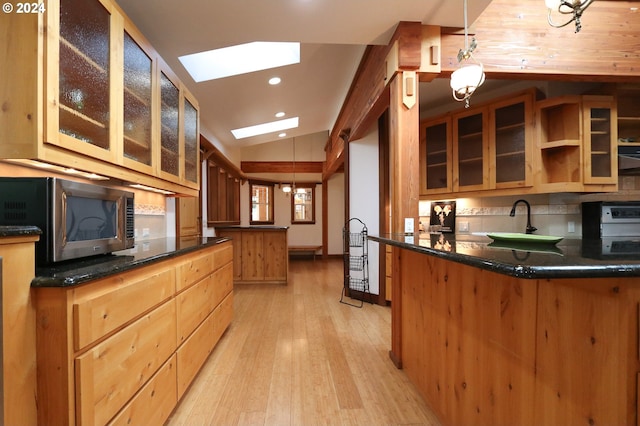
x: 570, y: 258
x: 79, y: 271
x: 17, y: 231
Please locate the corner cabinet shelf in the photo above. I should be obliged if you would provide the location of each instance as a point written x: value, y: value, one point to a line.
x: 356, y: 262
x: 577, y: 144
x: 88, y: 96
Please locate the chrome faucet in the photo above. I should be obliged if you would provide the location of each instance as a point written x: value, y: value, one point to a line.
x: 530, y: 229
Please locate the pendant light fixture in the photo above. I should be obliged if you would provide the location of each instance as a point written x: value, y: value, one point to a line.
x: 470, y: 73
x: 574, y: 8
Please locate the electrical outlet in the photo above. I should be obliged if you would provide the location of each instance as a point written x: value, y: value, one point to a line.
x: 145, y: 232
x: 463, y: 226
x: 571, y: 226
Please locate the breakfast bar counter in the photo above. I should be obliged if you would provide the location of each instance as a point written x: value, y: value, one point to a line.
x: 570, y: 258
x: 528, y: 335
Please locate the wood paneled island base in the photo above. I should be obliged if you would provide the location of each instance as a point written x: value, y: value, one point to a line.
x: 485, y: 348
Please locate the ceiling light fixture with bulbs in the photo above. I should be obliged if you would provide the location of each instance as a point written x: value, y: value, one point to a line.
x: 470, y: 73
x: 574, y: 8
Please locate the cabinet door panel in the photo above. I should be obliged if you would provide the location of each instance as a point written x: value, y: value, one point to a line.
x: 84, y: 78
x: 169, y: 133
x: 470, y: 165
x: 275, y: 256
x: 191, y: 142
x: 436, y: 157
x: 600, y: 139
x: 138, y: 71
x: 252, y: 256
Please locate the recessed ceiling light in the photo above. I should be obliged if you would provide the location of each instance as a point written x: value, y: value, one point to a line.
x: 261, y: 129
x: 279, y: 114
x: 240, y: 59
x: 274, y: 80
x: 282, y: 135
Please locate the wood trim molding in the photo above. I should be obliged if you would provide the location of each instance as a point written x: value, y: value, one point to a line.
x: 281, y: 166
x: 214, y: 154
x: 368, y: 96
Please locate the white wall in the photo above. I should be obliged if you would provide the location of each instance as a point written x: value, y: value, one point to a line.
x: 364, y: 196
x: 308, y: 148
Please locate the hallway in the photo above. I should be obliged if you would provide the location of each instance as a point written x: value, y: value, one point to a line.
x: 294, y: 355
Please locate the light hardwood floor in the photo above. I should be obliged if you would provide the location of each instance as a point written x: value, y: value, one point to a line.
x: 294, y: 355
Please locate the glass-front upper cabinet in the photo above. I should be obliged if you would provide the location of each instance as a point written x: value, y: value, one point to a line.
x: 511, y: 142
x: 191, y: 142
x: 138, y: 94
x: 436, y: 169
x: 80, y: 76
x: 170, y: 129
x: 470, y: 142
x: 600, y: 140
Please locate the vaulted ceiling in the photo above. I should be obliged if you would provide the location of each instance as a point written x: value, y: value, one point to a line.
x: 333, y: 34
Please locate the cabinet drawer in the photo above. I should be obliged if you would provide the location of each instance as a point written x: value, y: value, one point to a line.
x: 222, y: 317
x: 155, y: 401
x: 194, y: 269
x: 223, y: 283
x: 109, y: 374
x: 223, y: 255
x: 121, y: 300
x: 193, y: 353
x: 193, y: 306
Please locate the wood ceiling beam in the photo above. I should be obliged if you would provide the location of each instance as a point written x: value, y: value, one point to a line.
x: 282, y: 166
x: 368, y: 95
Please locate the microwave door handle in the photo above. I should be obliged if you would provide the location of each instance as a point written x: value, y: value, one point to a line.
x: 63, y: 219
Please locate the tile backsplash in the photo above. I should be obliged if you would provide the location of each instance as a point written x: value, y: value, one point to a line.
x: 553, y: 214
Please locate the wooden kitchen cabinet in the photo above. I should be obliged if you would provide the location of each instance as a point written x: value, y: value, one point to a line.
x: 488, y: 147
x: 96, y: 106
x: 123, y: 349
x: 511, y: 124
x: 436, y: 158
x: 576, y: 148
x: 260, y: 254
x: 471, y: 150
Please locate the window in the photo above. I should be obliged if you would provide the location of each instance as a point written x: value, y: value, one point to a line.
x: 261, y: 203
x: 303, y: 204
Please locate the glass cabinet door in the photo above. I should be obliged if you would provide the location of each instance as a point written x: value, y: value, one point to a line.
x: 509, y: 143
x: 600, y: 141
x: 436, y: 156
x: 470, y: 155
x: 84, y: 72
x: 137, y: 102
x: 191, y: 142
x: 169, y: 135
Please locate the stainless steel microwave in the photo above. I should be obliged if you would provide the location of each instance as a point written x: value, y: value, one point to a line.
x: 76, y: 219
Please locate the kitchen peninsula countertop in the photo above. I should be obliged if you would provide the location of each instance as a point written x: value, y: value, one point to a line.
x: 78, y: 271
x: 570, y: 258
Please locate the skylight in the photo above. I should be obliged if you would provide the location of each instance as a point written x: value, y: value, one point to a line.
x: 240, y: 59
x: 261, y: 129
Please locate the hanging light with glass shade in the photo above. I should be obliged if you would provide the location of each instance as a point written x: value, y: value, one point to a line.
x: 572, y: 8
x: 470, y: 73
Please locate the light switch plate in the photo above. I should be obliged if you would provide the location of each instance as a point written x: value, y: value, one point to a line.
x: 408, y: 225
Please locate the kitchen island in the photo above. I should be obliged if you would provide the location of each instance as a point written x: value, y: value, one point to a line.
x: 259, y: 253
x: 498, y: 335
